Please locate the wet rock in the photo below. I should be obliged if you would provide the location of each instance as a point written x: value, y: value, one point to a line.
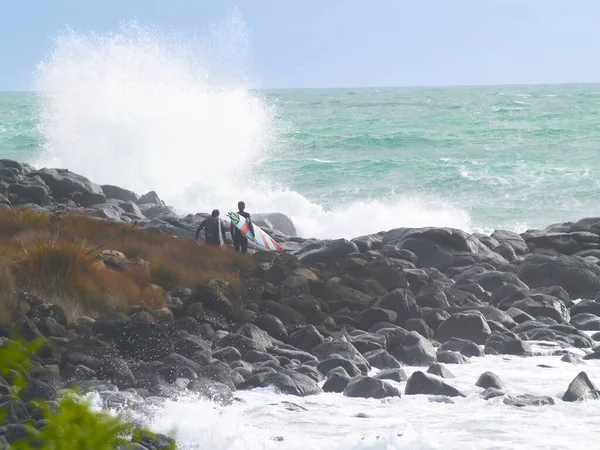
x: 145, y: 341
x: 402, y: 302
x: 272, y: 325
x: 432, y: 295
x: 217, y: 295
x: 434, y: 317
x: 397, y: 375
x: 310, y: 372
x: 332, y: 251
x: 287, y: 382
x: 503, y: 344
x: 284, y: 313
x: 571, y: 359
x: 419, y: 326
x: 581, y: 388
x: 367, y: 387
x: 186, y: 344
x: 337, y: 380
x: 222, y: 373
x: 414, y: 349
x: 228, y: 354
x: 37, y: 390
x: 544, y: 306
x: 586, y: 321
x: 292, y: 353
x: 448, y: 357
x: 351, y: 369
x: 490, y: 393
x: 341, y: 348
x: 579, y: 277
x: 586, y: 306
x: 369, y: 317
x: 439, y: 247
x: 440, y: 371
x: 306, y: 338
x: 528, y: 400
x: 489, y: 380
x: 381, y: 359
x: 25, y: 327
x: 117, y: 372
x: 519, y: 316
x: 240, y: 342
x: 470, y: 326
x: 422, y: 383
x: 212, y: 390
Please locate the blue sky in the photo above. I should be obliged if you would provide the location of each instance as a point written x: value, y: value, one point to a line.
x: 343, y: 43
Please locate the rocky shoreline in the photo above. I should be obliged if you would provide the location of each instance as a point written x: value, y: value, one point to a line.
x: 320, y: 316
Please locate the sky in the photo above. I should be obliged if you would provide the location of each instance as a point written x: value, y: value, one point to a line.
x: 344, y: 43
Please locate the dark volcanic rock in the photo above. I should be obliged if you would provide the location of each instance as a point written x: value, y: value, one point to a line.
x: 272, y: 325
x: 581, y: 388
x: 440, y: 247
x: 329, y: 364
x: 571, y: 359
x: 422, y: 383
x: 212, y: 390
x: 222, y: 373
x: 381, y: 359
x: 397, y: 375
x: 489, y: 380
x: 37, y: 390
x: 284, y: 313
x: 586, y: 306
x: 337, y: 380
x: 414, y: 349
x: 287, y: 382
x: 448, y: 357
x: 332, y: 251
x: 579, y: 277
x: 369, y: 317
x: 528, y: 400
x: 544, y: 306
x: 117, y: 372
x: 586, y: 321
x: 343, y: 349
x: 432, y: 295
x: 145, y: 341
x: 470, y: 326
x: 503, y: 344
x: 402, y: 302
x: 217, y: 295
x: 367, y: 387
x: 513, y: 239
x: 440, y: 371
x: 306, y: 338
x: 66, y: 184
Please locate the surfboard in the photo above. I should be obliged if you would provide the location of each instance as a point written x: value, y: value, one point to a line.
x: 263, y: 240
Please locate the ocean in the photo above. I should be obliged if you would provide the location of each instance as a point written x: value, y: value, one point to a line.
x: 340, y: 162
x: 147, y: 111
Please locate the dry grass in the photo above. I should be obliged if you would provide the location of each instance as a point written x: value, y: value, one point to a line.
x: 55, y: 257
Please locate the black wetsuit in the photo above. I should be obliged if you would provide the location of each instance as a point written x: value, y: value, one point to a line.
x: 240, y: 242
x: 214, y: 231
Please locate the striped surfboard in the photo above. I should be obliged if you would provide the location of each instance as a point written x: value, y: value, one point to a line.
x: 263, y: 240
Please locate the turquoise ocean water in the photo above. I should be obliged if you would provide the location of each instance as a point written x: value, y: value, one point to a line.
x: 476, y: 158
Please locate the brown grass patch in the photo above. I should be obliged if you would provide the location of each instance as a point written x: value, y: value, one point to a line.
x: 55, y: 257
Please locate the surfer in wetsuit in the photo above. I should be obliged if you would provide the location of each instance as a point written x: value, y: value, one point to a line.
x: 214, y: 230
x: 240, y: 242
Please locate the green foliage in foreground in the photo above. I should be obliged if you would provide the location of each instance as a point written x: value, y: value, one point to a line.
x: 72, y: 424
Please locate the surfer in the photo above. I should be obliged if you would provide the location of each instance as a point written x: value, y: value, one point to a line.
x: 214, y: 230
x: 240, y: 242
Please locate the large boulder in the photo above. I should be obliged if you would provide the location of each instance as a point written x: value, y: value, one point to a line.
x: 217, y: 295
x: 276, y: 221
x: 332, y: 251
x: 544, y: 306
x: 68, y: 185
x: 581, y: 388
x: 489, y: 380
x: 586, y: 321
x: 341, y: 348
x: 287, y: 382
x: 565, y: 243
x: 579, y: 277
x: 413, y: 349
x: 423, y: 383
x: 306, y: 338
x: 381, y: 359
x: 337, y: 380
x: 212, y: 390
x: 145, y: 341
x: 462, y: 346
x: 513, y: 239
x: 504, y: 344
x: 367, y: 387
x: 440, y: 248
x: 471, y: 326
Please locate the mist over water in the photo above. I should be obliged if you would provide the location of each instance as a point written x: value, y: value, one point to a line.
x: 149, y: 109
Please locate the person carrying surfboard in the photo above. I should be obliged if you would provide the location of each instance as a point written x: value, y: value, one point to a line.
x: 214, y: 230
x: 240, y: 242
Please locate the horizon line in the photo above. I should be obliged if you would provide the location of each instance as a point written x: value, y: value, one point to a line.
x: 415, y: 86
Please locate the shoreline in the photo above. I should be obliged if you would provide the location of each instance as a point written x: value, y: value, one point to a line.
x: 321, y: 316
